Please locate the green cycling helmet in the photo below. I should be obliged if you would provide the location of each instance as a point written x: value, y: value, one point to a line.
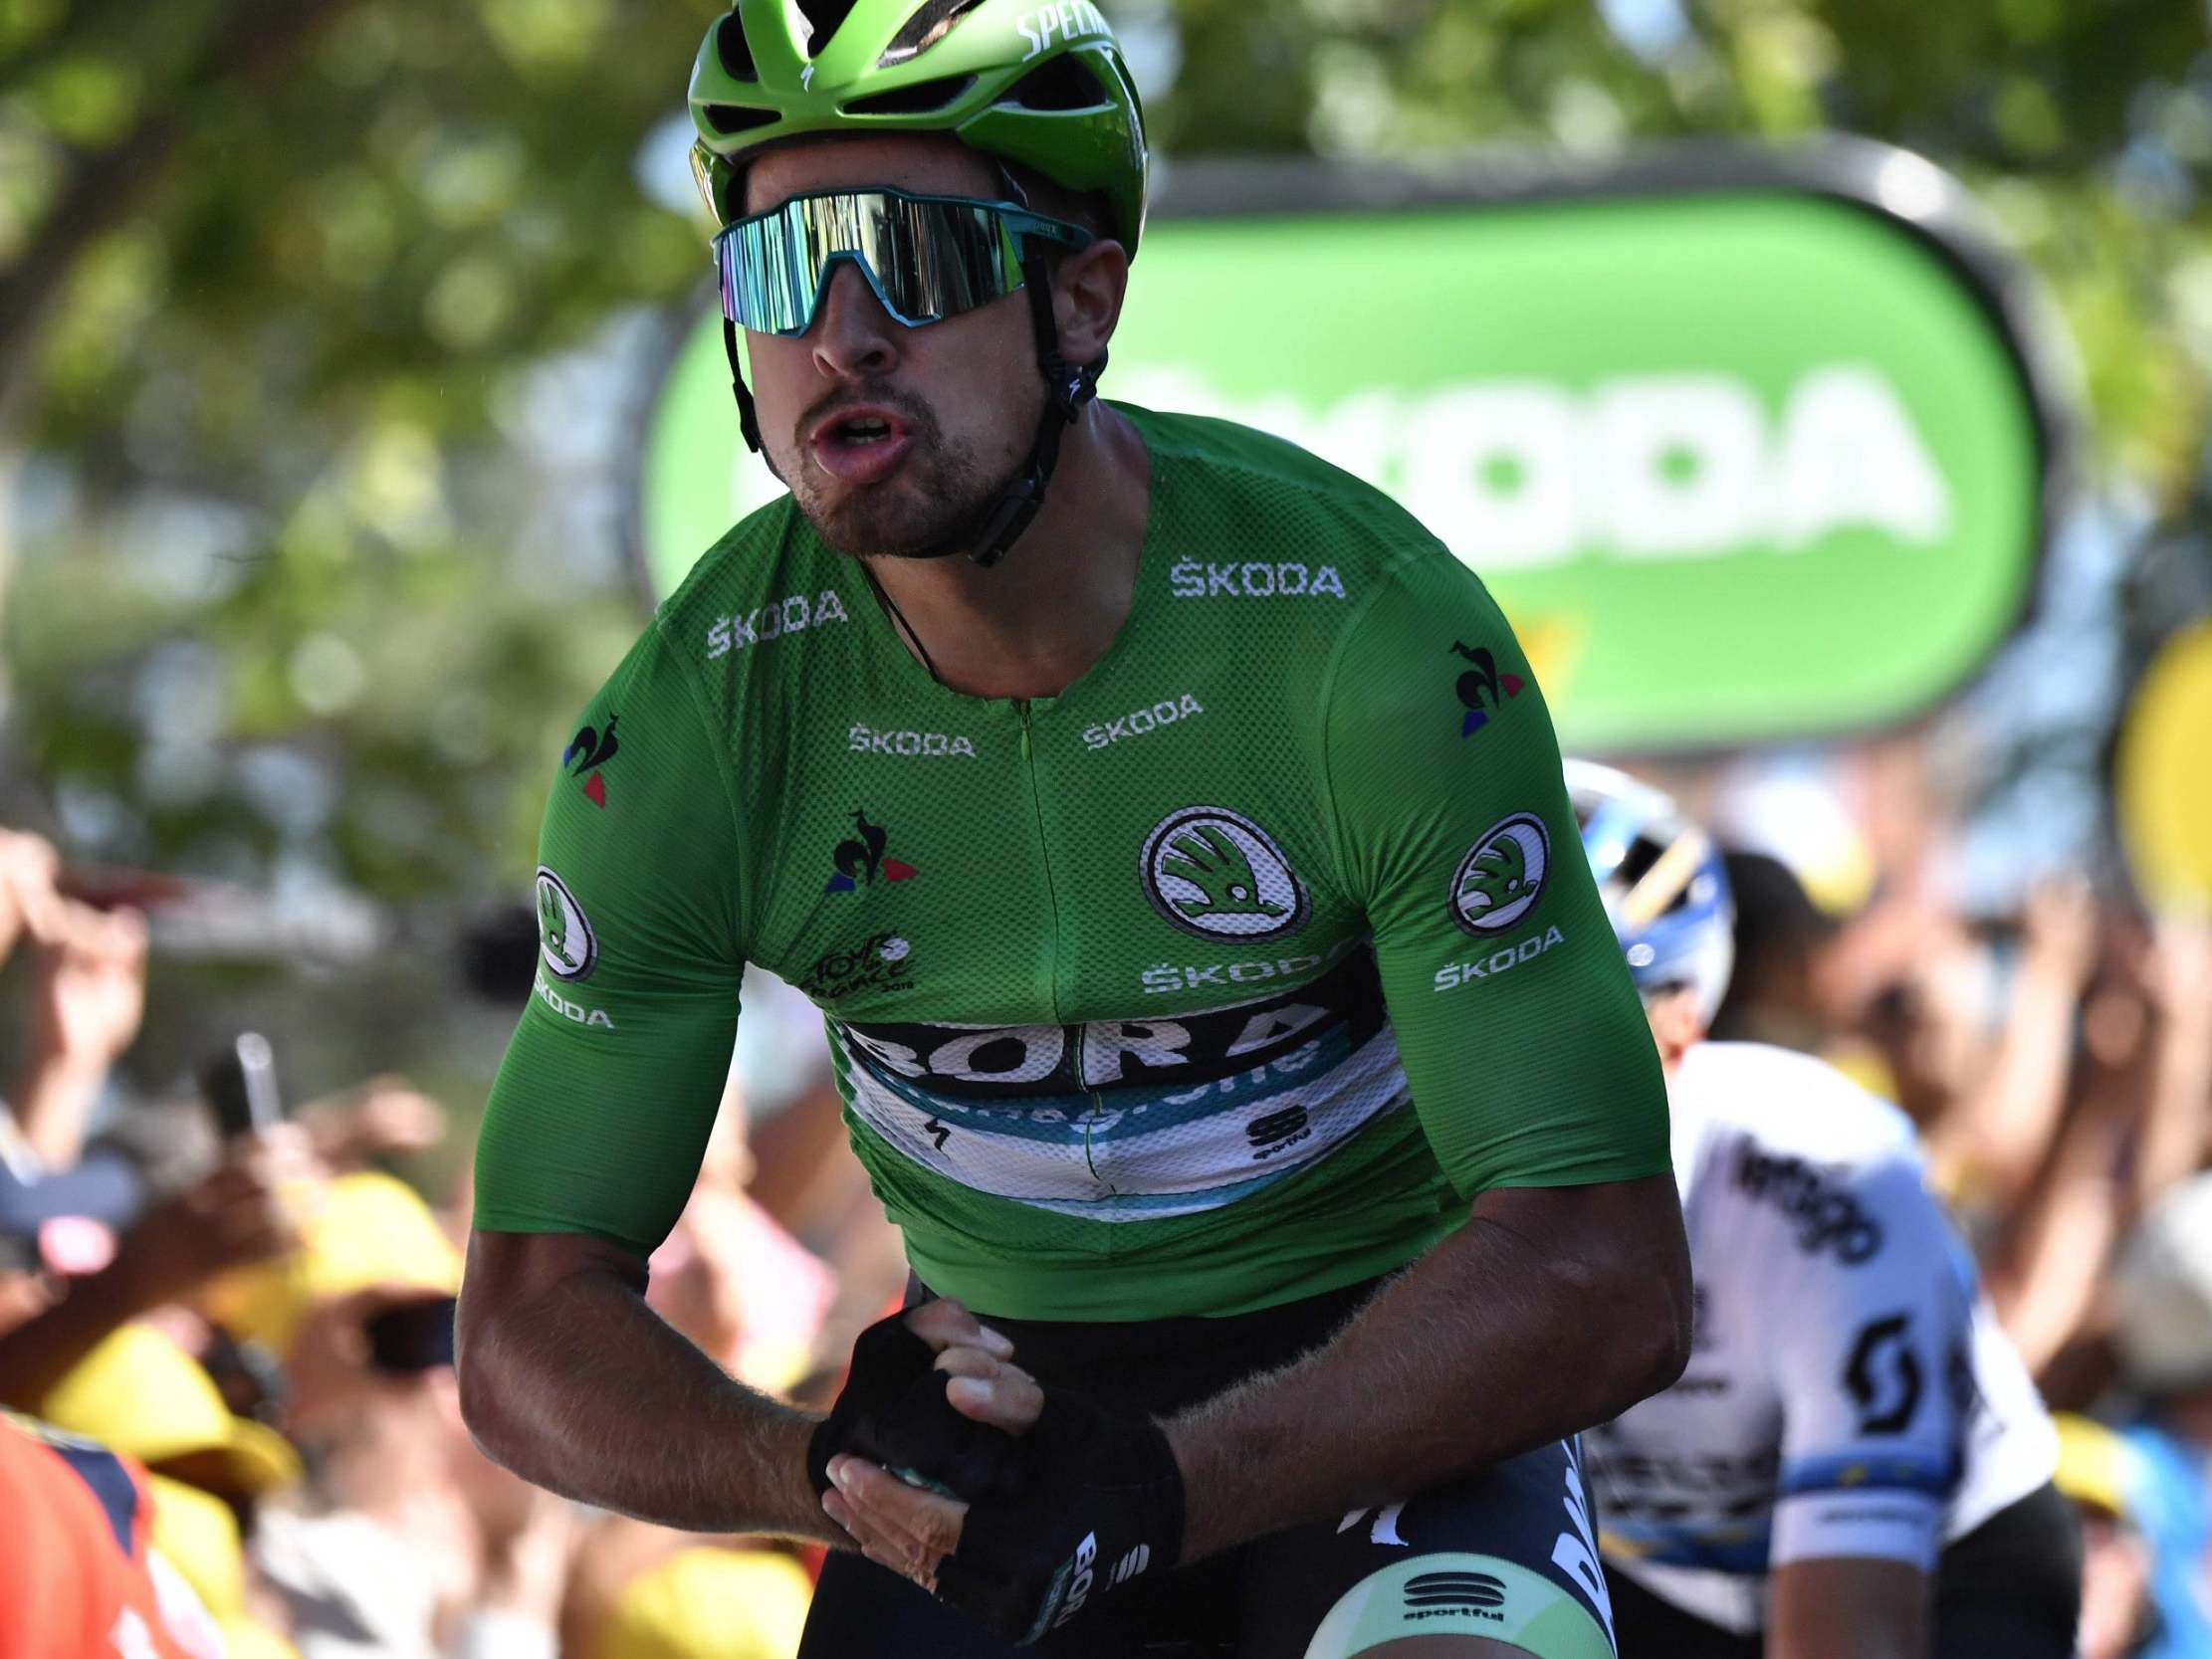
x: 1039, y: 85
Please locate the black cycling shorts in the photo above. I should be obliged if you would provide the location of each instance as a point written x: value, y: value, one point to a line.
x: 2009, y: 1589
x: 1507, y: 1553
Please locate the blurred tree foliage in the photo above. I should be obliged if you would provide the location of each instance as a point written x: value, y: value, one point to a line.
x: 318, y: 318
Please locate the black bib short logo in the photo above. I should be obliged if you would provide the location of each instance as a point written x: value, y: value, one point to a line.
x: 1502, y: 873
x: 1216, y: 874
x: 564, y: 936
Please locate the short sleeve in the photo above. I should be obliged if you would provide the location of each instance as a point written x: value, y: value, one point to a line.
x: 601, y: 1112
x: 1866, y: 1303
x: 1521, y: 1033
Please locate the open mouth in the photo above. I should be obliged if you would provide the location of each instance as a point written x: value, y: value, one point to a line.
x: 860, y: 428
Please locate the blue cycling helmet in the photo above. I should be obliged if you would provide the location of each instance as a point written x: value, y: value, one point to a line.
x: 1664, y: 886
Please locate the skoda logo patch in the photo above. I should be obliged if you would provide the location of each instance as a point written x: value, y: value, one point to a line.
x: 1502, y: 873
x: 564, y: 936
x: 1216, y: 874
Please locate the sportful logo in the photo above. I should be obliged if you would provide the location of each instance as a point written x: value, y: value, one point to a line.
x: 1141, y: 720
x: 1216, y: 874
x: 1501, y: 875
x: 564, y: 938
x: 1132, y: 1563
x: 587, y: 752
x: 1193, y: 580
x: 793, y: 615
x: 1275, y: 1132
x: 1448, y: 1595
x: 1482, y: 683
x: 859, y: 859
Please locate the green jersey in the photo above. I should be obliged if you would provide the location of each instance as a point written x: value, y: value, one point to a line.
x: 1224, y: 977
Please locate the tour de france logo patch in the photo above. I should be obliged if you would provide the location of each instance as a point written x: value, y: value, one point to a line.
x: 1216, y: 874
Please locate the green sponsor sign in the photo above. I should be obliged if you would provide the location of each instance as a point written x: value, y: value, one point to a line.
x: 1742, y: 461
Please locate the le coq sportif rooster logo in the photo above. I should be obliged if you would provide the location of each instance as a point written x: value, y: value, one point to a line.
x: 1216, y: 874
x: 860, y: 860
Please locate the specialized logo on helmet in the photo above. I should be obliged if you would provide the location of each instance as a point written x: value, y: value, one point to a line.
x: 564, y: 936
x: 1070, y: 19
x: 1501, y: 875
x: 1216, y: 874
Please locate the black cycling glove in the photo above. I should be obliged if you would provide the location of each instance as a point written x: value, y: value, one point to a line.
x: 1098, y: 1503
x: 893, y: 1378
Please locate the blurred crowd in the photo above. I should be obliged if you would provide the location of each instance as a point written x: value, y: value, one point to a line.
x: 228, y: 1414
x: 257, y: 1326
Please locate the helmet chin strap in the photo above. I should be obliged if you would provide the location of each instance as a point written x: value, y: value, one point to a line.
x: 1066, y: 389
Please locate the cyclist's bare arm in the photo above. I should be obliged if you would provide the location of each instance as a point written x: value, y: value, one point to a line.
x: 572, y: 1381
x: 1553, y: 1308
x: 1848, y: 1607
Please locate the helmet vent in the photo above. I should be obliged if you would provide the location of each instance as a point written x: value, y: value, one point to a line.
x: 1066, y: 83
x: 930, y: 24
x: 823, y: 18
x: 734, y: 50
x: 727, y: 118
x: 920, y: 99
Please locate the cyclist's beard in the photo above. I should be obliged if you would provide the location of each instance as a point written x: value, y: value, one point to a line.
x: 933, y: 506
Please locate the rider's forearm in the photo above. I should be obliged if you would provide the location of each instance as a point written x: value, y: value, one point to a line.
x: 581, y: 1389
x: 1488, y: 1346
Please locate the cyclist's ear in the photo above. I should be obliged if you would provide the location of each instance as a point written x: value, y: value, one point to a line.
x: 1088, y: 291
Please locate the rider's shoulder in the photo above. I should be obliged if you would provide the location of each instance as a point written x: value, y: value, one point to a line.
x: 762, y: 579
x: 1276, y: 489
x: 1789, y: 1104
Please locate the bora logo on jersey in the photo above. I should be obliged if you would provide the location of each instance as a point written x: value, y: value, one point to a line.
x: 1502, y: 873
x: 564, y: 936
x: 1216, y: 874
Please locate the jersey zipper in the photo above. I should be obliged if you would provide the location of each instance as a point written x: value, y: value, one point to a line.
x: 1052, y: 902
x: 1045, y: 858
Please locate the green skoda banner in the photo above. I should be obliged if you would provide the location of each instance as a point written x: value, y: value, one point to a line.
x: 1747, y: 447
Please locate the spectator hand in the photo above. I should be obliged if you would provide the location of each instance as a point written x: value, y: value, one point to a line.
x: 2058, y: 928
x: 28, y: 867
x: 91, y: 984
x: 2181, y: 967
x: 241, y: 1214
x: 386, y: 1114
